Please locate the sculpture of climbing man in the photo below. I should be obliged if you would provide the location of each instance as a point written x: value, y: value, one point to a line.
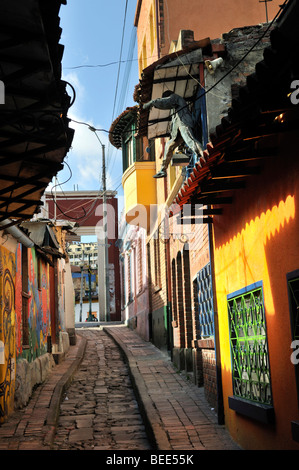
x: 182, y: 125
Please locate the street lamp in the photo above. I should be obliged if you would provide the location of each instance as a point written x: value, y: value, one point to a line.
x: 89, y: 284
x: 81, y: 287
x: 266, y: 6
x: 106, y: 316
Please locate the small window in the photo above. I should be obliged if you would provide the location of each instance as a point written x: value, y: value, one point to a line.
x: 130, y: 277
x: 139, y: 265
x: 157, y: 260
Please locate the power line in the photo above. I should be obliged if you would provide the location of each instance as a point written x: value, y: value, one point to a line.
x: 206, y: 91
x: 123, y: 93
x: 120, y: 54
x: 108, y: 64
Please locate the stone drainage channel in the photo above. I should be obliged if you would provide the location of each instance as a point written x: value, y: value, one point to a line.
x: 99, y: 410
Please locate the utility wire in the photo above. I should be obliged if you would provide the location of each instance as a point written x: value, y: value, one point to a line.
x: 119, y: 64
x: 123, y: 94
x: 108, y: 64
x: 206, y: 91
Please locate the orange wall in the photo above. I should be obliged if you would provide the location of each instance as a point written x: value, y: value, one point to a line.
x: 205, y: 18
x: 256, y: 239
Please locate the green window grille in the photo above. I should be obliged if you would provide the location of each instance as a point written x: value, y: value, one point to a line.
x: 205, y: 302
x: 249, y: 349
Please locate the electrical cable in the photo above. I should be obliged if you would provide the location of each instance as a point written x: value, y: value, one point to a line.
x: 206, y: 91
x: 120, y: 54
x: 107, y: 64
x: 123, y: 94
x: 86, y: 214
x: 281, y: 7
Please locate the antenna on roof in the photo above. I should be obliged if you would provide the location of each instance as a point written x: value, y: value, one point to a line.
x: 266, y: 6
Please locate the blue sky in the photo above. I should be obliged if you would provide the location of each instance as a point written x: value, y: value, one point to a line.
x: 92, y: 35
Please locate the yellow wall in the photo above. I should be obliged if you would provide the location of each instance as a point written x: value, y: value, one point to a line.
x: 139, y: 191
x: 256, y: 239
x: 206, y: 19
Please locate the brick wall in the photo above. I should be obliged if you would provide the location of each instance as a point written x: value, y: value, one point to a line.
x: 157, y: 270
x: 209, y: 370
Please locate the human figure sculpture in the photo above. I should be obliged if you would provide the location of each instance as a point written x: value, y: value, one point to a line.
x: 182, y: 125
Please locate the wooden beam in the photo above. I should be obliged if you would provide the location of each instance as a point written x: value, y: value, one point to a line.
x: 196, y: 220
x: 17, y: 212
x: 175, y: 79
x: 199, y: 210
x: 11, y: 158
x: 19, y: 200
x: 211, y: 200
x: 20, y: 197
x: 250, y: 153
x: 230, y: 170
x: 34, y: 181
x: 222, y: 185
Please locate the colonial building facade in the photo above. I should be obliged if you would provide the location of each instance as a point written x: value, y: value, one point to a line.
x: 204, y: 274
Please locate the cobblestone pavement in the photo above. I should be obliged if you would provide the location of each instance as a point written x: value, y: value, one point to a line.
x: 99, y: 410
x: 115, y: 392
x: 176, y: 409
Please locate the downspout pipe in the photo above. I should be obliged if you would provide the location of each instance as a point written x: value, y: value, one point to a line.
x: 158, y: 28
x: 220, y: 405
x: 17, y: 233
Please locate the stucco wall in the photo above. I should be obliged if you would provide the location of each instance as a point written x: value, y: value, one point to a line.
x: 256, y: 239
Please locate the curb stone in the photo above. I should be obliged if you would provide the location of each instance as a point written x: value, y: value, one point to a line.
x: 60, y: 388
x: 152, y: 420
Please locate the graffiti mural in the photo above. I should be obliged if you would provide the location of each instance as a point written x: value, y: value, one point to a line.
x: 39, y: 305
x: 18, y: 300
x: 7, y: 332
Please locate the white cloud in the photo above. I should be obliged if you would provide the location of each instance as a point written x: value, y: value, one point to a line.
x: 85, y: 155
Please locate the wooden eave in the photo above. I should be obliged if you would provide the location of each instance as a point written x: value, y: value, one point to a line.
x: 34, y: 129
x: 250, y: 132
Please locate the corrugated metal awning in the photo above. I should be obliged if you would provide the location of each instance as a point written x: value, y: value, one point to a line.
x: 178, y: 72
x: 183, y: 80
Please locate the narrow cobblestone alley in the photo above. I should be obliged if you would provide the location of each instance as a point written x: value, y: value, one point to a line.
x: 115, y: 392
x: 99, y: 410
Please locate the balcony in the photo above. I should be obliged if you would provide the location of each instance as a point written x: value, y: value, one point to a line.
x: 139, y: 192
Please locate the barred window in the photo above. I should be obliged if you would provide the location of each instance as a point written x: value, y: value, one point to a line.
x: 249, y: 348
x: 205, y: 302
